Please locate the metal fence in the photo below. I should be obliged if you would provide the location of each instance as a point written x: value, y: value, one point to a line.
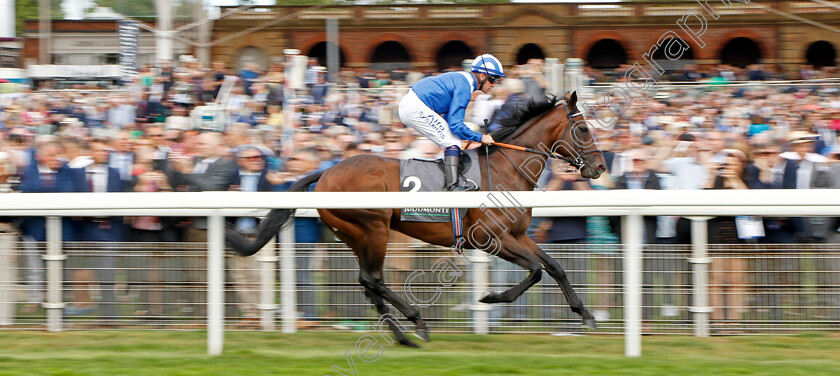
x: 752, y: 288
x: 808, y: 275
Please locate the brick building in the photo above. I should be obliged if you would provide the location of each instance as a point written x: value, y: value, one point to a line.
x: 433, y: 36
x: 436, y: 36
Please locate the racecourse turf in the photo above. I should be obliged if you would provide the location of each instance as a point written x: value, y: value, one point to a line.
x: 313, y: 353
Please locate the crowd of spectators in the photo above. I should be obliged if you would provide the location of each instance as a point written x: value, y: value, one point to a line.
x: 164, y: 132
x: 722, y: 73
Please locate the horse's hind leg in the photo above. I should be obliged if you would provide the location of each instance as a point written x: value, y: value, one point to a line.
x: 383, y: 310
x: 370, y: 276
x: 370, y: 244
x: 553, y: 268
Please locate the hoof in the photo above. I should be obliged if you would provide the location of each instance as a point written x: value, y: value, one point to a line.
x: 489, y: 297
x: 590, y: 323
x: 410, y: 344
x: 423, y: 334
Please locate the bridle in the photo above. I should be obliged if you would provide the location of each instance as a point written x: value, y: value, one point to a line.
x: 578, y: 161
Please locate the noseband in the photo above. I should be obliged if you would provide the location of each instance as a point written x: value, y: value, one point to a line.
x: 578, y: 162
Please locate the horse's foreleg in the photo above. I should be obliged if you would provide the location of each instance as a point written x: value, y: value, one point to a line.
x: 554, y: 269
x: 513, y: 252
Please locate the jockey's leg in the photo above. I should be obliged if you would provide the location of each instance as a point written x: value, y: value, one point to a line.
x: 452, y: 170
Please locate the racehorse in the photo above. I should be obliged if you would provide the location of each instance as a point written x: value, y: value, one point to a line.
x: 547, y: 124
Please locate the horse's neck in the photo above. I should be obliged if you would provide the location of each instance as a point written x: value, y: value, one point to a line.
x: 541, y: 130
x: 505, y: 173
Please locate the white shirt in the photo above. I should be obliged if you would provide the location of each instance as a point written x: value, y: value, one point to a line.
x: 200, y: 167
x: 181, y: 123
x: 806, y: 168
x: 45, y: 170
x: 248, y: 181
x: 99, y: 174
x: 622, y: 162
x: 122, y: 162
x: 686, y: 172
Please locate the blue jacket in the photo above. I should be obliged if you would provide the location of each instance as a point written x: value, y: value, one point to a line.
x: 66, y: 180
x: 449, y: 94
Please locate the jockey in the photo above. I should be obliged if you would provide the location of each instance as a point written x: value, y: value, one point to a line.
x: 435, y: 107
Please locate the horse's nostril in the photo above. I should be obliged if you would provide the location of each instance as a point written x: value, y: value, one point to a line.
x: 601, y: 167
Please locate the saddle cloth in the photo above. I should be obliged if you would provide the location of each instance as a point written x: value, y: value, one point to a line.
x: 426, y: 175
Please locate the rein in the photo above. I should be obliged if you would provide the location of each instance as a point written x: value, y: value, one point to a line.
x: 519, y: 170
x: 577, y: 162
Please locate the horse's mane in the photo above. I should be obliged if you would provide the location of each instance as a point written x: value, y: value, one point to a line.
x: 522, y: 115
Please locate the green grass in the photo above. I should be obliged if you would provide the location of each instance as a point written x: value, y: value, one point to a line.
x: 312, y: 353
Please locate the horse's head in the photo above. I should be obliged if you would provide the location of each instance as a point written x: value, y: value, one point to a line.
x: 557, y: 128
x: 576, y: 140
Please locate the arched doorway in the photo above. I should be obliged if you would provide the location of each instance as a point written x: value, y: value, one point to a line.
x: 740, y: 52
x: 451, y: 54
x: 319, y: 51
x: 606, y: 54
x: 529, y: 51
x: 390, y: 56
x: 821, y: 54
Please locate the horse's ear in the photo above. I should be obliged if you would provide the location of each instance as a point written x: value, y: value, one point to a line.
x: 573, y: 100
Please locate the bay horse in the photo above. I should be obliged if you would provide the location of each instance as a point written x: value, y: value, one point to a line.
x: 544, y: 124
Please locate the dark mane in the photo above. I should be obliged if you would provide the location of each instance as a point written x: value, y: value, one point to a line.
x: 522, y: 115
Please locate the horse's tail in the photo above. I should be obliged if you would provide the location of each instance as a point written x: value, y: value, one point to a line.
x: 270, y: 226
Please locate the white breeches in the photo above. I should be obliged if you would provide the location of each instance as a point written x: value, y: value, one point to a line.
x: 416, y: 114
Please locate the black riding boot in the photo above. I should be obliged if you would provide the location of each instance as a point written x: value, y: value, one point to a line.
x: 451, y: 168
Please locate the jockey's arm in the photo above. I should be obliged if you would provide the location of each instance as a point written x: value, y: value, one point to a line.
x: 457, y: 110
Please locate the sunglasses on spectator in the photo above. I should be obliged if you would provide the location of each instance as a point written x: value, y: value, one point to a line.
x: 252, y: 157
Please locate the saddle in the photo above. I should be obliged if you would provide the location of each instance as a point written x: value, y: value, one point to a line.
x: 426, y: 175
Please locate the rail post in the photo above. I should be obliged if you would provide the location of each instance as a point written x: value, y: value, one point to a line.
x: 288, y: 286
x: 267, y: 258
x: 700, y: 274
x: 215, y: 284
x: 54, y: 260
x: 632, y: 227
x: 481, y: 284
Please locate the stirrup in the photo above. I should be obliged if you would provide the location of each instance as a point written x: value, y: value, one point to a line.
x: 468, y: 185
x: 460, y: 188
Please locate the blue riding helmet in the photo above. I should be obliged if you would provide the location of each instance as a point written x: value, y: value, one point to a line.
x: 487, y: 64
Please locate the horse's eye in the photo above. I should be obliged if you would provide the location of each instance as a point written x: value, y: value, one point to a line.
x: 584, y: 130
